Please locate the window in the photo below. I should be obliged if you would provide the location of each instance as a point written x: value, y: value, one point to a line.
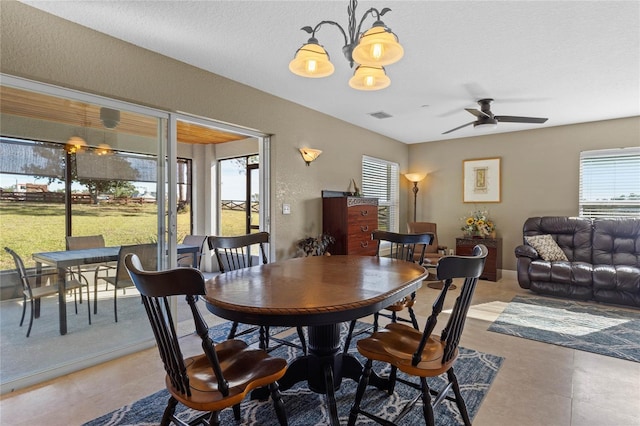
x: 380, y: 180
x: 610, y: 183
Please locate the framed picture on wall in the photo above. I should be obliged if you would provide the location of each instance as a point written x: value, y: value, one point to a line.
x: 481, y: 180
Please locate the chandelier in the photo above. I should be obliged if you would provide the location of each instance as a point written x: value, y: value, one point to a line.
x: 371, y: 51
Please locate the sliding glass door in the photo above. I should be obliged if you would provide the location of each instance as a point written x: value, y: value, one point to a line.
x: 72, y: 164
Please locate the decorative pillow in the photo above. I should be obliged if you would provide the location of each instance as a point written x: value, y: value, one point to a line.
x: 546, y: 247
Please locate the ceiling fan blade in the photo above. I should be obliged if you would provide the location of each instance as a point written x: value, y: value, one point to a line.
x: 459, y: 127
x: 476, y: 112
x: 513, y: 119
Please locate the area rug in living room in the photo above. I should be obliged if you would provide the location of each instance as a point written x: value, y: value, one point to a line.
x: 475, y: 371
x: 585, y: 326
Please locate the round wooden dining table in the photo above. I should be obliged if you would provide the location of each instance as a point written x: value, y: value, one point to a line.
x: 319, y: 292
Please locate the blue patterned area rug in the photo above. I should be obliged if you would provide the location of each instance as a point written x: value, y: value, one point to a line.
x: 475, y: 371
x: 600, y: 329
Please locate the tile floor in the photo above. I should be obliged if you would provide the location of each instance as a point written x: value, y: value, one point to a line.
x: 539, y: 384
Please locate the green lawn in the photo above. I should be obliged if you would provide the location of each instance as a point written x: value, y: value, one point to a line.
x: 36, y: 227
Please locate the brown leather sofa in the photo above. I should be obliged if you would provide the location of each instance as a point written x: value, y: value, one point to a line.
x: 603, y: 259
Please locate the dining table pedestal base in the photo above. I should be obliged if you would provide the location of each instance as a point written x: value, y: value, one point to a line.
x: 323, y: 368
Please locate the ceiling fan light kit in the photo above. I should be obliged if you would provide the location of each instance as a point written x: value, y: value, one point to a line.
x: 486, y: 119
x: 373, y: 49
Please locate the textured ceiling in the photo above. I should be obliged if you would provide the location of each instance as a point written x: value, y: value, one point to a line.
x: 570, y: 61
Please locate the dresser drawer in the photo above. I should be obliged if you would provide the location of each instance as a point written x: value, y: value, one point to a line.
x: 361, y: 243
x: 363, y: 213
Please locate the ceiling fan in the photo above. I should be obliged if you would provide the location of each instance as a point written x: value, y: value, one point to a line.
x: 486, y: 117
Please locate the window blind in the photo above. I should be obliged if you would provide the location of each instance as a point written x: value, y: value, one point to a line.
x: 610, y: 183
x: 116, y: 166
x: 21, y: 157
x: 380, y: 180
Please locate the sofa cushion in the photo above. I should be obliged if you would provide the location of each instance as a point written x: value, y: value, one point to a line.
x: 546, y: 247
x: 563, y: 273
x: 573, y: 234
x: 616, y: 242
x: 616, y: 277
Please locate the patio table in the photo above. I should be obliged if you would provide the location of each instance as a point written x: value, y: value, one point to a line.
x: 62, y: 260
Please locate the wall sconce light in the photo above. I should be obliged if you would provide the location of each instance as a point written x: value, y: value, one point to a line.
x: 415, y: 178
x: 309, y: 154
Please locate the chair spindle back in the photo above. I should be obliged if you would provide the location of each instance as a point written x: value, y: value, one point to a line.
x: 155, y: 288
x: 404, y: 246
x: 450, y: 267
x: 234, y: 253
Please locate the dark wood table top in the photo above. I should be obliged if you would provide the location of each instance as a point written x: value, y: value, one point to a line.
x: 313, y: 290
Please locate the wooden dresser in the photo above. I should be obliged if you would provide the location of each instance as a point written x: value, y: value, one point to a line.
x: 350, y: 220
x: 493, y: 265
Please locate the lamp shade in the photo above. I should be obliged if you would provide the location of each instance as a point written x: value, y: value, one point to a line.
x: 415, y: 177
x: 309, y: 154
x: 369, y: 78
x: 377, y: 47
x: 312, y: 61
x: 75, y: 144
x: 103, y: 149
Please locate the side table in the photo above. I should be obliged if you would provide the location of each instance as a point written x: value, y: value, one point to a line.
x: 493, y: 266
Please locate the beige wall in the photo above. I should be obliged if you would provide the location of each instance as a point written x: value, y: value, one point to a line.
x: 540, y: 175
x: 539, y: 167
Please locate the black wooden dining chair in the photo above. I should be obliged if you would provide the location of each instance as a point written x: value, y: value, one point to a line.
x: 408, y: 247
x: 423, y: 354
x: 30, y: 294
x: 241, y: 252
x: 223, y: 374
x: 148, y: 253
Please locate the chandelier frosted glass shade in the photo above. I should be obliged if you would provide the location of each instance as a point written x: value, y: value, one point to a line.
x: 369, y: 78
x: 312, y: 61
x: 378, y: 47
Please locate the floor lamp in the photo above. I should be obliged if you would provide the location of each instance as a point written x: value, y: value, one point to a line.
x: 415, y: 178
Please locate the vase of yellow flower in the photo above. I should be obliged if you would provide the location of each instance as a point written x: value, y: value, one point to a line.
x: 477, y: 224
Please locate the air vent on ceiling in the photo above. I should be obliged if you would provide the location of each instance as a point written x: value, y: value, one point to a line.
x: 380, y: 114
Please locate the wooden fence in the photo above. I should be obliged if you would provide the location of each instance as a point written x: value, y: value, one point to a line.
x: 239, y: 206
x: 58, y: 197
x: 44, y: 197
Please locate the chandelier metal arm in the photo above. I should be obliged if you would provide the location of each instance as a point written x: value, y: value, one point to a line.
x: 350, y: 40
x: 317, y: 27
x: 367, y: 13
